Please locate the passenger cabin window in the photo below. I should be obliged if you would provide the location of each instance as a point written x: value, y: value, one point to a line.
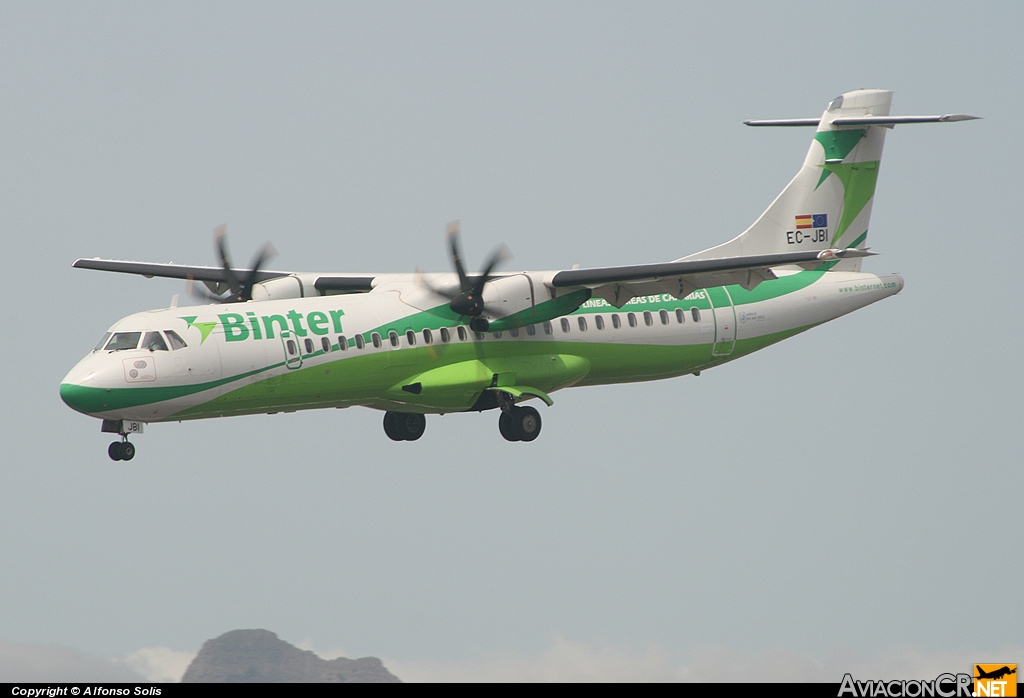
x: 547, y: 327
x: 616, y: 323
x: 410, y: 337
x: 648, y: 318
x: 461, y: 331
x: 360, y: 342
x: 393, y: 338
x: 154, y: 342
x: 446, y: 336
x: 497, y: 335
x: 599, y: 322
x: 514, y: 332
x: 326, y: 344
x: 695, y: 312
x: 123, y: 340
x: 176, y: 341
x: 375, y: 337
x: 632, y: 319
x: 531, y: 330
x: 342, y: 343
x: 479, y: 336
x: 582, y: 323
x: 680, y: 316
x: 428, y: 337
x: 291, y: 347
x: 309, y: 345
x: 102, y: 342
x: 664, y: 317
x: 565, y: 325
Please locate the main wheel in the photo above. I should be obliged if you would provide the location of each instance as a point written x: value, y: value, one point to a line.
x: 114, y: 451
x: 507, y: 428
x: 127, y: 450
x: 411, y: 425
x: 526, y: 423
x: 404, y: 426
x: 389, y: 426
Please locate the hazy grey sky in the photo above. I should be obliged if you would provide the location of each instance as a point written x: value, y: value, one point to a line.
x: 855, y: 487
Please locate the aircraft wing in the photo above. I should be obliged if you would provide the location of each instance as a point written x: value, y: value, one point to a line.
x: 618, y: 285
x: 217, y: 276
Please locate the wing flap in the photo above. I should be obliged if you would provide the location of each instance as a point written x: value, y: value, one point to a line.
x: 216, y: 279
x: 653, y: 272
x: 618, y: 285
x: 168, y: 271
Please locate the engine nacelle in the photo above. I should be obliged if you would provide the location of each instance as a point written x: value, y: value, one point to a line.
x: 281, y: 288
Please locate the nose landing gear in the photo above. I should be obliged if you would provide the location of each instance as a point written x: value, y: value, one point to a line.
x: 121, y: 450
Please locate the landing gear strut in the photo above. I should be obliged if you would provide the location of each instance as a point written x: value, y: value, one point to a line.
x: 519, y: 424
x: 404, y: 426
x: 121, y: 450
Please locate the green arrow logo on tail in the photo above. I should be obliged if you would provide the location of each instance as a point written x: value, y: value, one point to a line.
x: 205, y: 328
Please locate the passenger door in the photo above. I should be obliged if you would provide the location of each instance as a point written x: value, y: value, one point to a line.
x: 725, y: 321
x: 292, y: 350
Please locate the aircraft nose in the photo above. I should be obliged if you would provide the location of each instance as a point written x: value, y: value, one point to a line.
x: 78, y: 389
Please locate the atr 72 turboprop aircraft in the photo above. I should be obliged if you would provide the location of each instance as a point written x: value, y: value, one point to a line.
x: 415, y: 344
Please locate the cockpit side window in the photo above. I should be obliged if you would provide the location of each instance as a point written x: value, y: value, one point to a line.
x: 154, y: 342
x: 102, y: 342
x: 175, y: 339
x: 123, y: 340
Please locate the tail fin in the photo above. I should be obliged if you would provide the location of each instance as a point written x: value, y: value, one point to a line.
x: 828, y: 204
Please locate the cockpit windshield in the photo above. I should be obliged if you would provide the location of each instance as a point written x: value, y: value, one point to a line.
x: 836, y: 103
x: 175, y: 339
x: 102, y: 342
x: 154, y: 342
x: 123, y: 340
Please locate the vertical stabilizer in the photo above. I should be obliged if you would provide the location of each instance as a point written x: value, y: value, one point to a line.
x: 828, y: 203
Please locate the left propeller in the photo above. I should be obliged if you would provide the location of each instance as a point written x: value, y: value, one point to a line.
x: 239, y: 283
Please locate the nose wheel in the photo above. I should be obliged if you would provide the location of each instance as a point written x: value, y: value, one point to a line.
x: 121, y: 450
x: 519, y: 424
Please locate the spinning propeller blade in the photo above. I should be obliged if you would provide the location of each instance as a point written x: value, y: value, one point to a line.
x: 239, y: 285
x: 470, y: 302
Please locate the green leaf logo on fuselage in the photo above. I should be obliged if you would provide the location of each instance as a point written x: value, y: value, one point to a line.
x: 205, y: 328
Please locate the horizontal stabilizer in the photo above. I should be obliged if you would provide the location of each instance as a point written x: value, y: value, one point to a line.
x: 783, y: 122
x: 865, y: 120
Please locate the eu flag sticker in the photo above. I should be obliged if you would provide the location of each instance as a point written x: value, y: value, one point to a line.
x: 820, y: 220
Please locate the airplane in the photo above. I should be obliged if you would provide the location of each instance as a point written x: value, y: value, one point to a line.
x: 995, y: 674
x: 413, y: 344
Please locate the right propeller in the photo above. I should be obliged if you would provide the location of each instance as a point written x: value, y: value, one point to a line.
x: 469, y: 301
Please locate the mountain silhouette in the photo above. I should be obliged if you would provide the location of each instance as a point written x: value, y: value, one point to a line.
x: 260, y: 656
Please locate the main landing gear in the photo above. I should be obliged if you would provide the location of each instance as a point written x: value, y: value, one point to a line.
x: 515, y: 424
x: 121, y: 450
x: 519, y: 423
x: 404, y: 426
